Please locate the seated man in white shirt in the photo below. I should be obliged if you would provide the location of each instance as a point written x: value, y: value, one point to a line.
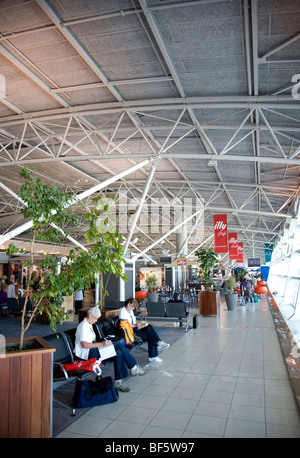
x: 86, y: 347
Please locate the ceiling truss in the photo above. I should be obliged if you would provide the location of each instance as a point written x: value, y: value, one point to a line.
x: 237, y: 154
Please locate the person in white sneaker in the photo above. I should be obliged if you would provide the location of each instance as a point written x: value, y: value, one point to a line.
x: 147, y: 334
x: 86, y: 347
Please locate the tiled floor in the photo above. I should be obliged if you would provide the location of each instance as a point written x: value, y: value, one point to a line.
x: 227, y: 378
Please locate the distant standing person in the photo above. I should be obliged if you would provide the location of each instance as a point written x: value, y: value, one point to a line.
x: 78, y: 301
x: 11, y: 290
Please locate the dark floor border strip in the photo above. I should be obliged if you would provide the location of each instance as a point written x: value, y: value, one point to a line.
x: 289, y: 347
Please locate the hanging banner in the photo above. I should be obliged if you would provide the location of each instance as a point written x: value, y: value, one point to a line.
x: 268, y: 255
x: 233, y: 245
x: 240, y: 257
x: 220, y: 233
x: 268, y: 251
x: 270, y: 246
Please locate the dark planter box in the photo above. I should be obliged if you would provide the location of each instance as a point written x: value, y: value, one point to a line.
x: 209, y: 303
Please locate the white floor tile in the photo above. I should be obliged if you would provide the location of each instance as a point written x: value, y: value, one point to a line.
x: 212, y: 409
x: 122, y: 429
x: 179, y: 405
x: 165, y: 418
x: 160, y: 432
x: 88, y: 425
x: 244, y: 429
x: 205, y: 424
x: 137, y: 415
x: 282, y: 417
x: 246, y: 399
x: 149, y: 401
x: 280, y: 431
x: 246, y: 412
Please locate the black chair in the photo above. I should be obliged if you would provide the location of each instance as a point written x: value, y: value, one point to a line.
x: 177, y: 309
x: 70, y: 335
x: 111, y: 304
x: 105, y: 328
x: 155, y: 309
x: 29, y: 307
x: 171, y: 311
x: 63, y: 355
x: 13, y: 306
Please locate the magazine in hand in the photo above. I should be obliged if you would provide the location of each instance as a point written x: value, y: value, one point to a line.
x: 107, y: 352
x: 143, y: 324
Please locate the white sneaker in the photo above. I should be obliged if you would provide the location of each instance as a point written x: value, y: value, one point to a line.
x: 161, y: 345
x: 120, y: 386
x: 156, y: 359
x: 138, y: 371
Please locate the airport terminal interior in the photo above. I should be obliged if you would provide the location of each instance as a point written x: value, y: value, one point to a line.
x: 176, y: 125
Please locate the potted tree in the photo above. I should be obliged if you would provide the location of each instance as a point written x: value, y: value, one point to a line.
x: 209, y: 300
x: 243, y: 272
x: 25, y: 371
x: 231, y: 295
x: 151, y: 284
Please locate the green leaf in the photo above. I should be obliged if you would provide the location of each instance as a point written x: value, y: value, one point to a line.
x: 47, y: 204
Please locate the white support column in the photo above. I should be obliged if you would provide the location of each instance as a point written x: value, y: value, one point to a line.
x: 122, y: 285
x: 181, y: 247
x: 138, y: 212
x: 133, y: 276
x: 181, y: 241
x: 97, y: 290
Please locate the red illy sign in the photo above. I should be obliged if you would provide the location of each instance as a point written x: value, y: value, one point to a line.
x: 233, y: 245
x: 220, y: 233
x: 240, y: 257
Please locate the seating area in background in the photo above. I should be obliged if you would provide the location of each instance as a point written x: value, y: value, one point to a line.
x: 172, y: 306
x: 114, y: 304
x: 15, y: 306
x: 170, y: 311
x: 189, y: 296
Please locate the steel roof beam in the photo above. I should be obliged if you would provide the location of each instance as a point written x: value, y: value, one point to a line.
x: 244, y: 102
x: 226, y: 157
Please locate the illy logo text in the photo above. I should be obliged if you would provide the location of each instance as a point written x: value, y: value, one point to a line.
x: 220, y: 225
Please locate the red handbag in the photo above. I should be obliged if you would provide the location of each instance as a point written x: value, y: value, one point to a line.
x: 92, y: 365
